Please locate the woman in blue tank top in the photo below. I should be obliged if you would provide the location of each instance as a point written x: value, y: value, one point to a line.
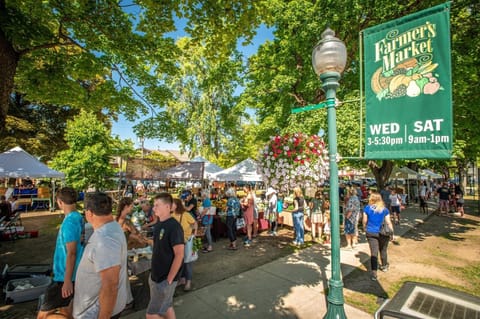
x: 374, y: 214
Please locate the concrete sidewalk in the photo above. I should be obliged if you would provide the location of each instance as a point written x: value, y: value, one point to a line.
x: 290, y: 287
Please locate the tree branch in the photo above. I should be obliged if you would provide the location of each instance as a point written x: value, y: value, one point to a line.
x: 135, y: 92
x: 68, y: 41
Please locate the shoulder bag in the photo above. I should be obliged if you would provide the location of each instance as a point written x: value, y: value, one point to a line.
x: 385, y: 230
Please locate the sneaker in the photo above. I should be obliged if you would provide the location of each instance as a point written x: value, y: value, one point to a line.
x: 373, y: 278
x: 384, y: 268
x: 247, y: 243
x: 295, y: 243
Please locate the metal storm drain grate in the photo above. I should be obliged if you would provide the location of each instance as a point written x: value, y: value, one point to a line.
x: 432, y: 304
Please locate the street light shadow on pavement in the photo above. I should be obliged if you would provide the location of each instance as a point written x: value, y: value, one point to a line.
x: 358, y: 279
x: 272, y: 290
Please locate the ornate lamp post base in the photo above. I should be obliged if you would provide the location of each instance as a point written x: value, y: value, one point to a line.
x: 335, y: 309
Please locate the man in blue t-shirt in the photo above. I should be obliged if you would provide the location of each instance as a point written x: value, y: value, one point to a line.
x: 68, y: 252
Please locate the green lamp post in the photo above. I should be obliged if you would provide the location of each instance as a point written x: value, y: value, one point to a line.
x: 329, y: 58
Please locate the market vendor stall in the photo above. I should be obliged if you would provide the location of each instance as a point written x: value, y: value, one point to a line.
x: 16, y: 163
x: 243, y: 171
x: 139, y: 260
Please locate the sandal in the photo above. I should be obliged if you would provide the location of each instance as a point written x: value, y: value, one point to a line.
x: 232, y: 248
x: 205, y: 250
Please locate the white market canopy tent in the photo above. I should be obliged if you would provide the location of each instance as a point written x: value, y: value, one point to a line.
x: 183, y: 171
x: 404, y: 172
x: 16, y: 163
x: 399, y: 173
x: 245, y: 171
x: 209, y: 168
x: 429, y: 174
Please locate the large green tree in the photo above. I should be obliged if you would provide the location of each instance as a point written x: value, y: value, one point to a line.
x: 107, y: 54
x: 86, y: 161
x: 280, y: 75
x: 202, y: 113
x: 120, y: 56
x: 84, y: 54
x: 37, y: 128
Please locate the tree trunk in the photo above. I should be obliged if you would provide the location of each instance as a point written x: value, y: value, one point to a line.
x: 8, y: 66
x: 381, y: 173
x: 462, y: 166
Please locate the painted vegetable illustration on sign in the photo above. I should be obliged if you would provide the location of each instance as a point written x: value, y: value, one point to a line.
x: 408, y: 78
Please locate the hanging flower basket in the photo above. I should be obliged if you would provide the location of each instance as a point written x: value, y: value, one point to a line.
x: 294, y: 160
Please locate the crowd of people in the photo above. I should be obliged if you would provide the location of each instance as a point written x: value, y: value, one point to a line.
x: 383, y: 210
x: 90, y: 268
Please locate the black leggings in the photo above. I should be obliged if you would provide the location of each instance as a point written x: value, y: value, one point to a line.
x: 231, y: 228
x: 273, y: 226
x: 377, y: 243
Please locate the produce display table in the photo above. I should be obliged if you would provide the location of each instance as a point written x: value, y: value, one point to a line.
x: 219, y: 228
x: 139, y: 266
x: 139, y: 260
x: 23, y: 204
x: 25, y: 193
x: 41, y: 203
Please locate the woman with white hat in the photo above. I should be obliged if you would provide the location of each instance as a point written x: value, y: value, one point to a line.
x: 271, y: 213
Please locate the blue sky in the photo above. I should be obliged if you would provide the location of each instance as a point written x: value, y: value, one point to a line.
x: 124, y: 128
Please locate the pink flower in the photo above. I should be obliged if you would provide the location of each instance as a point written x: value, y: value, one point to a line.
x: 295, y: 160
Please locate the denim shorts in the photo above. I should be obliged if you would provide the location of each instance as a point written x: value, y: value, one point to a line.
x: 161, y: 297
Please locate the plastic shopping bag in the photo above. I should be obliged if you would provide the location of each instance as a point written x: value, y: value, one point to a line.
x: 190, y: 255
x: 240, y: 223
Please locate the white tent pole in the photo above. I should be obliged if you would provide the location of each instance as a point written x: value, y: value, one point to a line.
x: 407, y: 199
x: 52, y: 208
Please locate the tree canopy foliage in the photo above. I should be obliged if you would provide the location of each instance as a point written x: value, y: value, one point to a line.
x: 280, y: 75
x: 202, y: 111
x: 94, y: 54
x: 115, y: 57
x: 86, y: 161
x: 39, y: 128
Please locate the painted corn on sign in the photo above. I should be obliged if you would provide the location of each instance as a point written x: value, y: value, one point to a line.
x: 408, y: 87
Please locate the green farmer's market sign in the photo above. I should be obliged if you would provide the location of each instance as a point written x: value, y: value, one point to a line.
x: 408, y: 87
